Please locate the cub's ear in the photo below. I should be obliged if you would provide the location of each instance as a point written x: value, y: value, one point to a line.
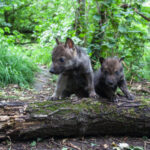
x: 57, y: 41
x: 101, y: 60
x: 69, y: 43
x: 121, y: 59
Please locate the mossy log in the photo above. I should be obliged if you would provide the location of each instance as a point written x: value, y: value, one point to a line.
x: 67, y: 118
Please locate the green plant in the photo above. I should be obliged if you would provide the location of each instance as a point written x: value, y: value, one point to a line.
x: 33, y: 144
x: 14, y: 67
x: 107, y: 28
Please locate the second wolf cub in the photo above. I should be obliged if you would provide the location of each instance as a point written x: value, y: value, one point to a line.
x: 109, y: 77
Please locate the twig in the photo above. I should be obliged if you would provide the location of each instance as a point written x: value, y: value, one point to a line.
x: 145, y: 91
x: 60, y: 145
x: 58, y: 110
x: 56, y: 103
x: 131, y: 81
x: 128, y: 101
x: 145, y: 143
x: 128, y: 69
x: 72, y: 146
x: 132, y: 105
x: 146, y: 18
x: 98, y: 7
x: 125, y: 6
x: 10, y: 142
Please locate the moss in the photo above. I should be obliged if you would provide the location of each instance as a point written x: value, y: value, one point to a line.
x: 46, y: 107
x: 41, y: 111
x: 145, y: 102
x: 9, y: 97
x: 89, y: 106
x: 85, y: 105
x: 132, y: 112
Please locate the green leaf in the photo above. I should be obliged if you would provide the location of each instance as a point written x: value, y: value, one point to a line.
x: 1, y: 31
x: 116, y: 148
x: 145, y: 138
x: 64, y: 148
x: 122, y: 29
x: 82, y: 35
x: 33, y: 144
x: 138, y: 148
x: 39, y: 139
x: 7, y: 29
x: 96, y: 17
x: 93, y: 144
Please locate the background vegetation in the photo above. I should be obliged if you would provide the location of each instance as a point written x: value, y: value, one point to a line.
x: 105, y: 27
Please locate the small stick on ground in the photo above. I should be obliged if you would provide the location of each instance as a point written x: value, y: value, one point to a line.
x: 145, y: 144
x: 58, y: 110
x: 72, y: 146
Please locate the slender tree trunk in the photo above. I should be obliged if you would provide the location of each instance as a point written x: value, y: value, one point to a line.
x: 99, y: 33
x: 80, y: 26
x: 6, y: 16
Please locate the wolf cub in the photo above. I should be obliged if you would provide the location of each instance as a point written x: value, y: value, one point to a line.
x: 73, y: 66
x: 109, y: 77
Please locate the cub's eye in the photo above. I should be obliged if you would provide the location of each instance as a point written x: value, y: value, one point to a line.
x: 61, y: 59
x: 117, y: 72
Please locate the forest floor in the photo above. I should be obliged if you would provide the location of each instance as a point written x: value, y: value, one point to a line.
x: 99, y: 143
x: 43, y: 87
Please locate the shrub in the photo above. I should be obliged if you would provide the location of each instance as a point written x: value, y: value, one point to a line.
x: 15, y: 68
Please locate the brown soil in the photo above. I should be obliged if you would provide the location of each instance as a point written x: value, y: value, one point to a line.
x: 100, y: 143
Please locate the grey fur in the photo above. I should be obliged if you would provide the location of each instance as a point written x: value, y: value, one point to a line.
x: 75, y: 73
x: 109, y: 77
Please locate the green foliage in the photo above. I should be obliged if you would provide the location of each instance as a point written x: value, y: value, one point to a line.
x: 14, y: 67
x: 136, y: 148
x: 121, y: 33
x: 104, y: 27
x: 33, y: 144
x: 38, y: 53
x: 64, y: 148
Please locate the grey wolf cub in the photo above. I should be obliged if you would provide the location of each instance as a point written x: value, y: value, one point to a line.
x: 74, y: 69
x: 109, y: 77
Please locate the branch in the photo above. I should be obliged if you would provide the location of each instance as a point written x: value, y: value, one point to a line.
x: 146, y: 18
x: 125, y: 6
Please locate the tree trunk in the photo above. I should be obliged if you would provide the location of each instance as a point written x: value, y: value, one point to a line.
x: 66, y: 118
x: 80, y: 26
x: 98, y: 35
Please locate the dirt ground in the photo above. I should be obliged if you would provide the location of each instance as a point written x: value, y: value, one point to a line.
x: 42, y: 88
x: 99, y: 143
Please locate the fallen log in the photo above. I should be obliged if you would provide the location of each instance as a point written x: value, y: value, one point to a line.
x: 67, y: 118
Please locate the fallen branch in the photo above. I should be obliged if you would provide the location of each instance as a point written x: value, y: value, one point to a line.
x: 89, y: 117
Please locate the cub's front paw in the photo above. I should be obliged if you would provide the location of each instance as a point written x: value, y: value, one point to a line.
x: 93, y: 95
x: 114, y: 99
x: 130, y: 97
x: 53, y: 98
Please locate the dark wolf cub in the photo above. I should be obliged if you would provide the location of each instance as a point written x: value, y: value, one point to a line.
x: 74, y: 69
x: 109, y: 77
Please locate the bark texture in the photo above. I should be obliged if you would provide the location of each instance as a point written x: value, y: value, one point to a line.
x: 66, y: 118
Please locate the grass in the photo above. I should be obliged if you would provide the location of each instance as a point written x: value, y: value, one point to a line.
x: 38, y: 53
x: 15, y: 68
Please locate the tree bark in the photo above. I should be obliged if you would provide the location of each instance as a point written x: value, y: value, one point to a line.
x: 80, y: 26
x: 66, y: 118
x: 98, y: 35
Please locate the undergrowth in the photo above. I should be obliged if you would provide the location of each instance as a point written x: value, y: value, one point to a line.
x: 15, y: 68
